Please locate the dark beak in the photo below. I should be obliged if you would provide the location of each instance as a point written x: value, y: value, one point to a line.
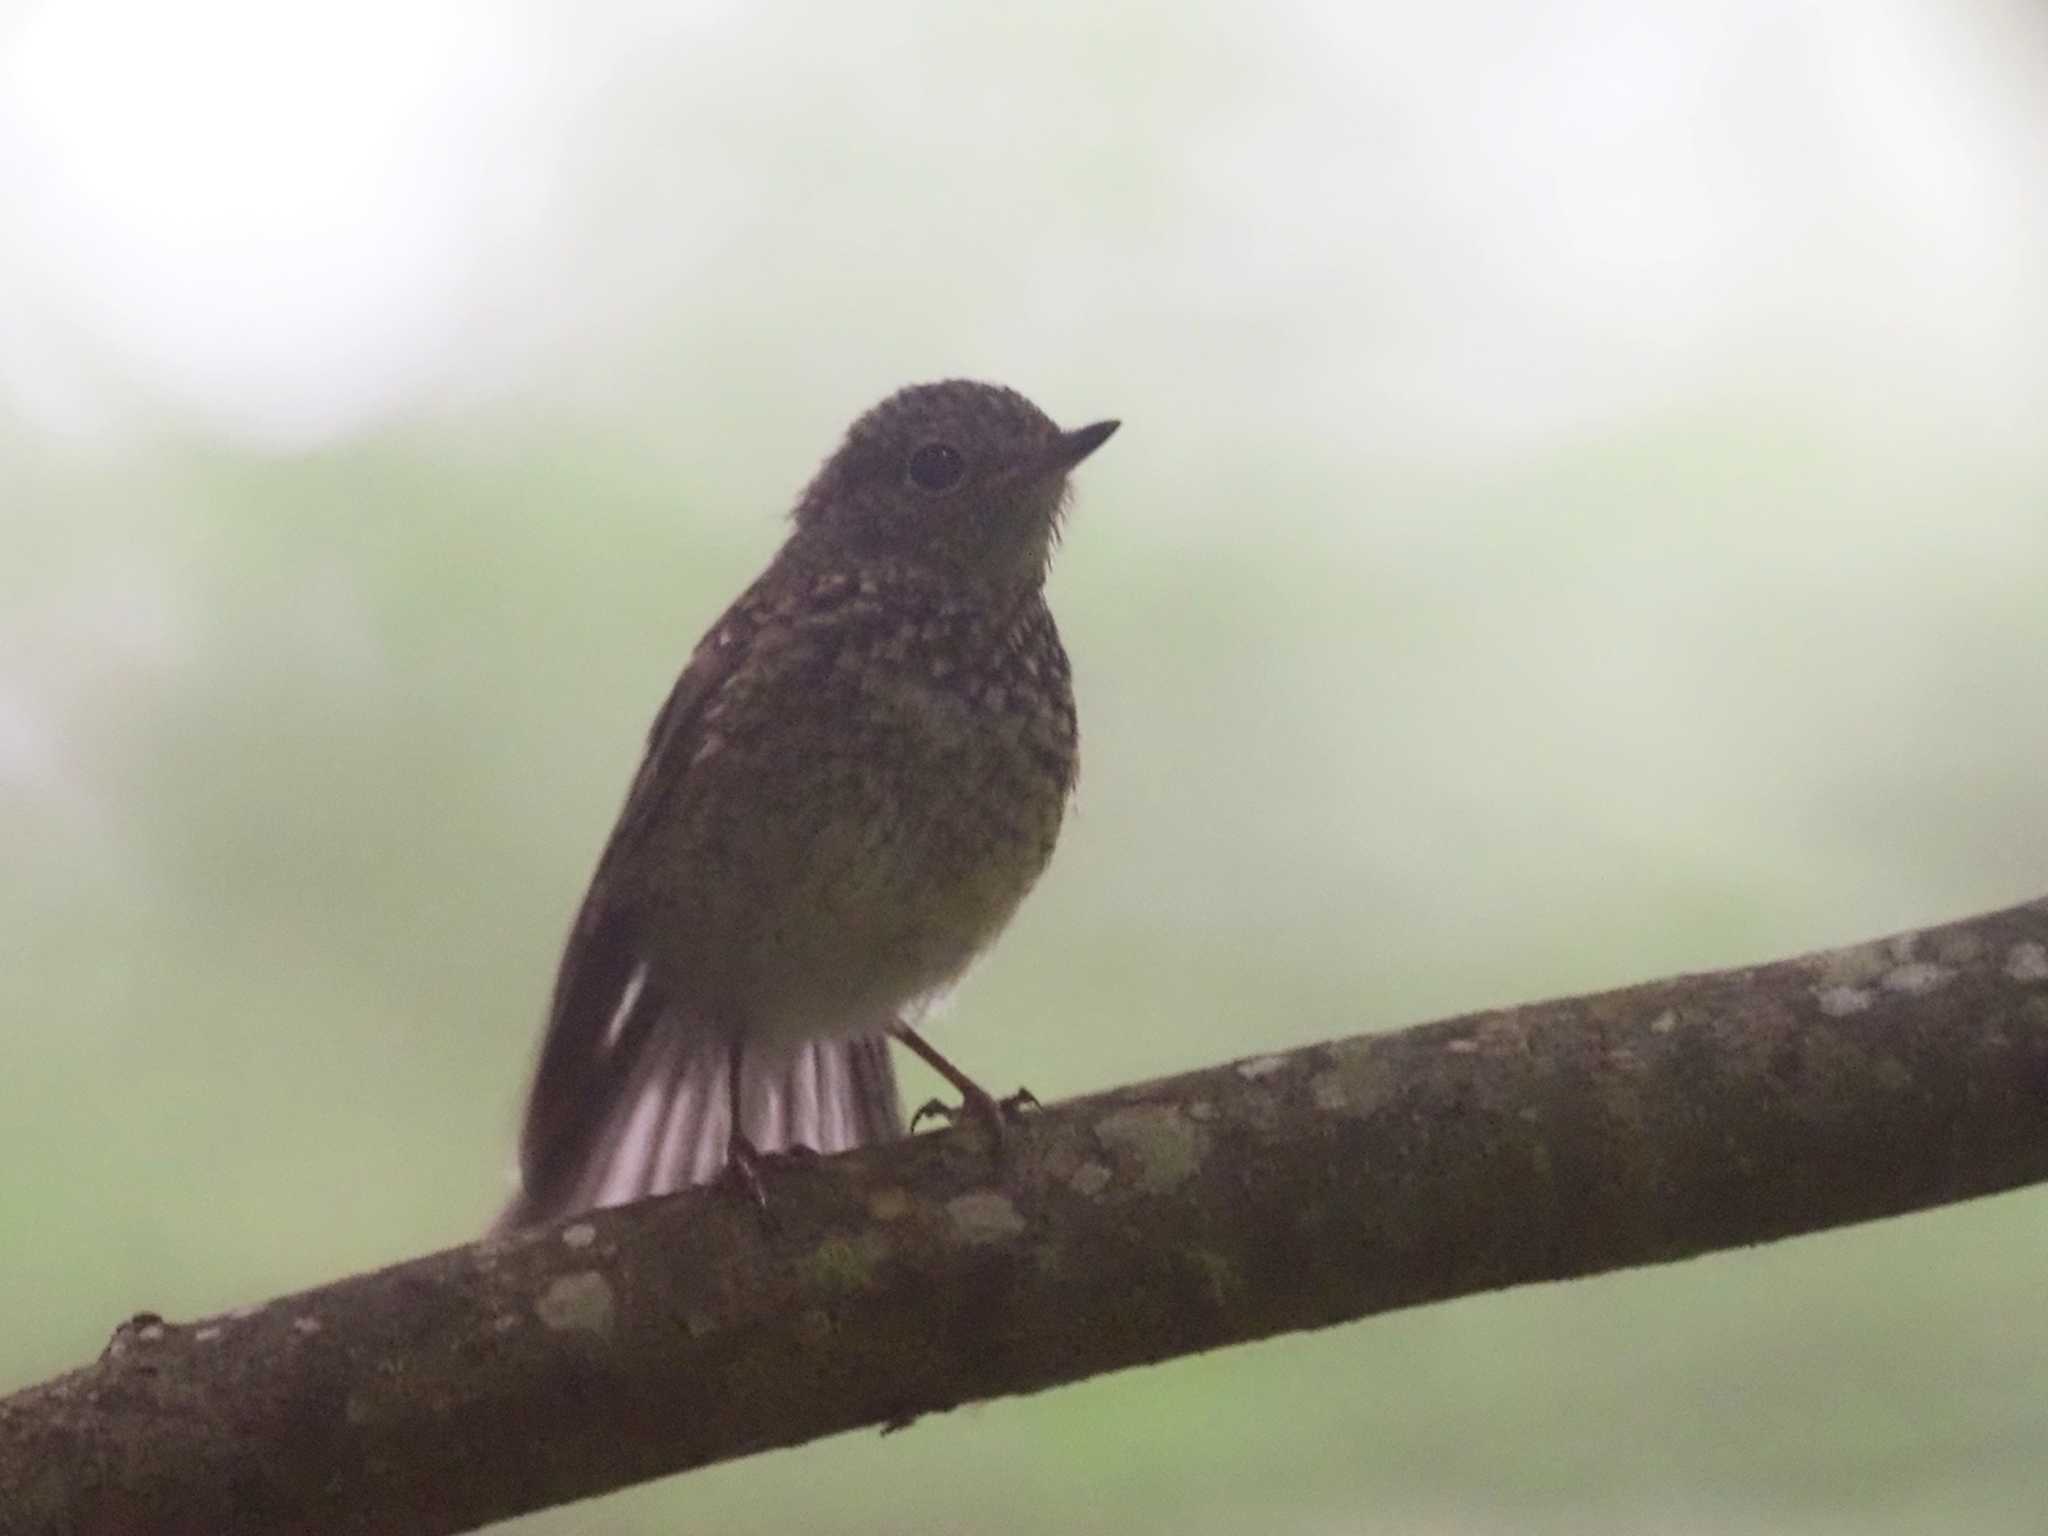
x: 1070, y: 448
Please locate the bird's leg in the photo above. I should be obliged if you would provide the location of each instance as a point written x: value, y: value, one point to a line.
x: 974, y: 1099
x: 742, y: 1172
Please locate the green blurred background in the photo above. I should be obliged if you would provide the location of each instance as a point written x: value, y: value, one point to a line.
x: 1582, y: 514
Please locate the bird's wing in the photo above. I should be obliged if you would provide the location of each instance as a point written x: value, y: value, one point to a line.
x: 605, y: 1011
x: 629, y: 1099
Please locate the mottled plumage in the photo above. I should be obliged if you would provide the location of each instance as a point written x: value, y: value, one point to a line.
x: 857, y: 778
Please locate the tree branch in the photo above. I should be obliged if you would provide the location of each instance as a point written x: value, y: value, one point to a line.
x: 1291, y: 1191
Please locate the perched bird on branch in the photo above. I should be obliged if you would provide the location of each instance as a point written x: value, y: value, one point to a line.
x: 855, y: 781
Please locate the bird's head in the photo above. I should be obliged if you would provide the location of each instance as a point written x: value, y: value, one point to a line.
x: 968, y: 479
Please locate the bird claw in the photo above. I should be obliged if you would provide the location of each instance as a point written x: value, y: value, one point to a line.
x: 1015, y: 1105
x: 747, y: 1166
x: 991, y: 1111
x: 741, y: 1175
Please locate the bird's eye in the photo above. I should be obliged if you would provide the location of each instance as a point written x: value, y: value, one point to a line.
x: 936, y: 467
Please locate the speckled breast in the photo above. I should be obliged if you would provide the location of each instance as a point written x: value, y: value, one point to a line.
x: 875, y: 797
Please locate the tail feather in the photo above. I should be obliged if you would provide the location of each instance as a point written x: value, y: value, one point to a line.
x: 665, y: 1127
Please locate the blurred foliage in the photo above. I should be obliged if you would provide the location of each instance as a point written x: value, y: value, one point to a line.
x: 1645, y: 653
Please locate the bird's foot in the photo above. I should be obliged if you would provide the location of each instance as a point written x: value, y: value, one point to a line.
x: 741, y: 1175
x: 984, y: 1106
x: 747, y: 1167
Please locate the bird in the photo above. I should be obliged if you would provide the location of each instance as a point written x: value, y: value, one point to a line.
x: 859, y: 775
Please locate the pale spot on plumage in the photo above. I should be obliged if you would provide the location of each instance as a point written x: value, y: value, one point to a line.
x: 635, y: 985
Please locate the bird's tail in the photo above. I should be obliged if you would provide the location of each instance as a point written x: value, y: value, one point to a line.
x: 664, y: 1125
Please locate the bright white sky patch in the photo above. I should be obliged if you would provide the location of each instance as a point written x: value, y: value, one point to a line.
x: 264, y: 212
x: 297, y: 220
